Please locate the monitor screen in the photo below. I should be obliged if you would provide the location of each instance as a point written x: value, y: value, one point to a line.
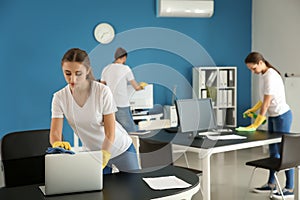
x: 196, y: 115
x: 142, y: 99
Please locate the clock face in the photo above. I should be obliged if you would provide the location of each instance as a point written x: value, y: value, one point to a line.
x: 104, y: 33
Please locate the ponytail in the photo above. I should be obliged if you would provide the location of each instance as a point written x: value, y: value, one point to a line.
x: 255, y: 57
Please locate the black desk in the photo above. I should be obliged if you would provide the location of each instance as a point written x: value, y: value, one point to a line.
x: 119, y: 186
x: 206, y: 148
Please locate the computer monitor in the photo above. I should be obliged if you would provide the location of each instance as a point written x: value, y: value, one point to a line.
x: 196, y: 115
x: 142, y: 99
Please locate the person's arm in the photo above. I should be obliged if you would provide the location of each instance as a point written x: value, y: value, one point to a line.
x: 56, y: 130
x: 103, y: 82
x: 109, y: 129
x: 135, y: 85
x: 56, y: 134
x: 265, y: 105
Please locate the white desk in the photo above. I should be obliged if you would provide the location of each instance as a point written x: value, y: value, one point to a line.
x: 205, y: 155
x: 206, y: 149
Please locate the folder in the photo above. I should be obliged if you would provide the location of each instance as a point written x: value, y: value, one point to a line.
x: 230, y: 78
x: 229, y: 98
x: 204, y: 94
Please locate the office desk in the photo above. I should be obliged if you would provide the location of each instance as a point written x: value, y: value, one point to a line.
x: 206, y: 148
x: 125, y: 186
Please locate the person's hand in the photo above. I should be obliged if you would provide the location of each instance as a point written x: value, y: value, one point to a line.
x: 254, y: 116
x: 249, y: 112
x: 258, y: 121
x: 143, y: 84
x: 105, y: 158
x: 62, y: 144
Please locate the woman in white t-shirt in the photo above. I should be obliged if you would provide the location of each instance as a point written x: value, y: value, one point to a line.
x: 273, y: 103
x: 116, y: 76
x: 90, y: 109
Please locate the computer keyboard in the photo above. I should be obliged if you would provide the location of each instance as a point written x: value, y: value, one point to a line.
x: 207, y: 133
x: 222, y: 130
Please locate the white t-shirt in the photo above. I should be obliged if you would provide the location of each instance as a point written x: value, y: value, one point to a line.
x: 272, y: 84
x: 116, y: 77
x: 86, y: 121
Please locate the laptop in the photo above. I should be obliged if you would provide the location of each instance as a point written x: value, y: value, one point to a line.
x: 198, y: 116
x: 71, y: 173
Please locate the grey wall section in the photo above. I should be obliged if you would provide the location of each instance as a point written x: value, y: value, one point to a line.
x: 275, y: 33
x: 292, y: 95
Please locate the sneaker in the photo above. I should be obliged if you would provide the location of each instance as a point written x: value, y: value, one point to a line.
x: 287, y: 194
x: 267, y: 188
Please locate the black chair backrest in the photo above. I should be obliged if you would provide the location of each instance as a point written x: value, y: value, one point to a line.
x: 154, y: 154
x: 23, y: 157
x: 290, y: 151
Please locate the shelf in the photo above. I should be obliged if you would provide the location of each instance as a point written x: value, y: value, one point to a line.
x: 219, y: 84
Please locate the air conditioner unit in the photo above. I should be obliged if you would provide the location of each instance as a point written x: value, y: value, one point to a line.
x: 185, y: 8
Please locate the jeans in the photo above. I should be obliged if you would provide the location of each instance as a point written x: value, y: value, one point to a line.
x: 281, y: 123
x: 126, y: 162
x: 124, y: 117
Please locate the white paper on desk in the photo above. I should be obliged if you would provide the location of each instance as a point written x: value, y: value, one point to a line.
x: 139, y: 132
x: 226, y: 137
x: 166, y: 182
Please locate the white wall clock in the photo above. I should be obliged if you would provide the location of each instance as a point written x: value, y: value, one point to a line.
x: 104, y: 33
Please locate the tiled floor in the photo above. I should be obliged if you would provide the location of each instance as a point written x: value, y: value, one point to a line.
x: 230, y: 175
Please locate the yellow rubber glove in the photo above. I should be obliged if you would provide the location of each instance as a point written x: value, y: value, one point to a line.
x: 105, y: 158
x: 65, y: 145
x: 143, y: 84
x: 258, y: 121
x: 254, y: 116
x: 248, y: 113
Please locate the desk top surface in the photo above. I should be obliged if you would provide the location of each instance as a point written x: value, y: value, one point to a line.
x: 125, y: 186
x: 186, y: 139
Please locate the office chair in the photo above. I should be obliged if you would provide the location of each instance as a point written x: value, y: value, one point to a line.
x: 289, y: 158
x: 23, y: 157
x: 154, y: 155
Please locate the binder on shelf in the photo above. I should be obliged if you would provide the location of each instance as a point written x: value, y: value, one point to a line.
x: 230, y: 78
x: 229, y: 98
x: 211, y: 78
x: 223, y: 78
x: 224, y: 97
x: 230, y: 118
x: 220, y: 117
x: 202, y: 78
x: 204, y: 94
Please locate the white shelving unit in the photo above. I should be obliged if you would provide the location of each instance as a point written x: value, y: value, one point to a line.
x: 219, y: 84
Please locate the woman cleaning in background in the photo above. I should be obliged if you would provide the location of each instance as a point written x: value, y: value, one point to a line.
x: 274, y: 104
x: 90, y: 110
x: 116, y: 76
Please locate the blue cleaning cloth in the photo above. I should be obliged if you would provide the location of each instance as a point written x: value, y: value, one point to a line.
x: 57, y: 150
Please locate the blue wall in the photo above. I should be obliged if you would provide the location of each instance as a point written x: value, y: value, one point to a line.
x: 35, y: 34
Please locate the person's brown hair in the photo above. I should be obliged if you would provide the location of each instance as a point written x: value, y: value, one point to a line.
x: 255, y: 57
x: 80, y: 56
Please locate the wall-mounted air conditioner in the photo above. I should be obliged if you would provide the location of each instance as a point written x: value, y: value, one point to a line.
x: 185, y: 8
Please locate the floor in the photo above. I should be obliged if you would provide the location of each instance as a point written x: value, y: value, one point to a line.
x: 230, y: 176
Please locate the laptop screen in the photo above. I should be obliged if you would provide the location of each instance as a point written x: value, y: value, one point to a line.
x: 196, y: 115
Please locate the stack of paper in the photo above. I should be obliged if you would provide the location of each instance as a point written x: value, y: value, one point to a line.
x: 166, y: 182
